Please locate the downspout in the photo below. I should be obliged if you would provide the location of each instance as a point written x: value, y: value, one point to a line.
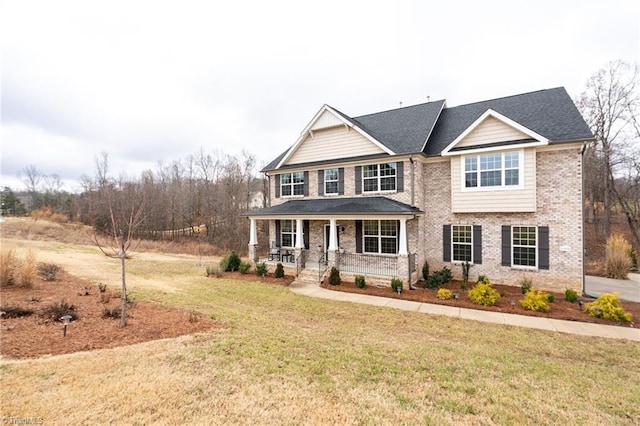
x: 413, y: 179
x: 582, y: 248
x: 267, y: 196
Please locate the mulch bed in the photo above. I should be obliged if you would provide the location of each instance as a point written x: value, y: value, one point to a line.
x: 560, y: 308
x: 35, y: 336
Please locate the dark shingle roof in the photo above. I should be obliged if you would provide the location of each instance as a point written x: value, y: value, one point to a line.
x: 333, y: 206
x: 550, y: 113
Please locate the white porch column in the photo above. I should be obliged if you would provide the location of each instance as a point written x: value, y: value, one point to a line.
x: 403, y: 238
x: 299, y: 234
x: 253, y: 233
x: 333, y: 236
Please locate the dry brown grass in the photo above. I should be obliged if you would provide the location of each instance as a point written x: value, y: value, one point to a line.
x: 16, y: 271
x: 49, y: 214
x: 618, y: 263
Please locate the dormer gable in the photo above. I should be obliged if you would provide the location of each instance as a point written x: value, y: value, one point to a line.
x: 493, y: 131
x: 332, y: 135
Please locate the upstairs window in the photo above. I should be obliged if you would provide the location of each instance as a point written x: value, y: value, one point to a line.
x: 492, y: 170
x: 379, y: 177
x: 292, y: 184
x: 331, y: 178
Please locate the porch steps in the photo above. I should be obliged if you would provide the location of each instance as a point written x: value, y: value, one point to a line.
x: 306, y: 277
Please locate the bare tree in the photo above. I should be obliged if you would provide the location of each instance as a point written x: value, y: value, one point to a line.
x: 610, y: 106
x: 31, y: 177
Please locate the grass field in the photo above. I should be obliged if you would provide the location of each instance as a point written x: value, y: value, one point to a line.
x: 287, y: 359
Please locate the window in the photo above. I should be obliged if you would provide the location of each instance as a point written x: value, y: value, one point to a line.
x: 287, y: 233
x: 461, y: 243
x: 331, y: 178
x: 524, y: 245
x: 492, y: 170
x: 292, y: 184
x: 379, y: 177
x: 380, y: 236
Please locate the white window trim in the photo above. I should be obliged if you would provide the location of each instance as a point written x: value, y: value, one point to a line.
x: 512, y: 246
x: 452, y: 243
x: 378, y: 177
x: 379, y: 236
x: 292, y: 185
x: 502, y: 187
x: 283, y: 232
x: 337, y: 182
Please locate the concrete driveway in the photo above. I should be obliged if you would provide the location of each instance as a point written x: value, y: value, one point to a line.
x: 628, y: 289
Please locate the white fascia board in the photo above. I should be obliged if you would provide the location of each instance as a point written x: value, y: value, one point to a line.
x: 346, y: 123
x: 506, y: 120
x: 494, y: 148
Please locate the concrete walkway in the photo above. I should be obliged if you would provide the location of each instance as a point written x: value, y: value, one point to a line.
x: 628, y: 289
x: 572, y: 327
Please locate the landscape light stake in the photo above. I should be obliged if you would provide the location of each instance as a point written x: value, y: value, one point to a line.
x: 513, y: 305
x: 65, y: 322
x: 580, y: 303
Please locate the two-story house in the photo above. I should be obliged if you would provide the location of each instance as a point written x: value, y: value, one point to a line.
x: 496, y: 183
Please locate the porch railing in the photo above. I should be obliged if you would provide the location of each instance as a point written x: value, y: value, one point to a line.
x: 368, y: 264
x: 322, y: 265
x: 301, y: 261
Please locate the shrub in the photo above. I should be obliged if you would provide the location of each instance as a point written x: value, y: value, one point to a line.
x: 607, y: 306
x: 483, y: 279
x: 551, y: 298
x: 234, y: 262
x: 213, y: 270
x: 618, y: 262
x: 425, y: 271
x: 114, y: 313
x: 571, y: 295
x: 431, y: 282
x: 526, y: 285
x: 483, y: 294
x: 334, y: 276
x: 444, y: 294
x: 9, y: 266
x: 360, y: 281
x: 224, y: 264
x: 466, y: 266
x: 14, y: 311
x: 633, y: 255
x: 279, y: 273
x: 244, y: 267
x: 102, y: 287
x: 396, y: 285
x: 28, y: 271
x: 55, y: 311
x: 535, y: 300
x: 48, y: 271
x: 261, y: 269
x: 439, y: 278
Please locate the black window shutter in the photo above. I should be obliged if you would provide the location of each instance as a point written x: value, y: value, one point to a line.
x: 341, y: 181
x: 358, y: 236
x: 320, y: 182
x: 358, y: 179
x: 400, y: 176
x: 506, y: 245
x: 278, y: 233
x: 305, y: 230
x: 446, y: 243
x: 277, y: 186
x: 543, y: 247
x: 306, y: 184
x: 477, y: 244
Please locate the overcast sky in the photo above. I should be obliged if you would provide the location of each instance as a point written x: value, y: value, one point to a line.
x: 147, y: 81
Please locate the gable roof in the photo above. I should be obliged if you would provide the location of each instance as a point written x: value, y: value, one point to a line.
x: 430, y: 128
x: 550, y: 113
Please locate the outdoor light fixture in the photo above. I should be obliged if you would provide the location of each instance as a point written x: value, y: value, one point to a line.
x: 455, y: 295
x: 513, y: 304
x: 580, y: 302
x: 65, y: 322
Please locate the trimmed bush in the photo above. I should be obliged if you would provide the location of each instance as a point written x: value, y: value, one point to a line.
x: 396, y: 285
x: 526, y: 285
x: 439, y: 278
x: 618, y: 263
x: 224, y: 264
x: 571, y: 295
x: 279, y: 273
x: 483, y: 294
x: 261, y: 269
x: 444, y: 294
x: 551, y: 298
x: 334, y: 276
x: 607, y: 306
x: 535, y: 300
x: 234, y: 262
x: 360, y: 281
x: 425, y: 271
x: 244, y: 267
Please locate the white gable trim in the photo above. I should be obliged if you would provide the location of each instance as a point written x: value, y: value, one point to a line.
x: 348, y: 125
x: 540, y: 140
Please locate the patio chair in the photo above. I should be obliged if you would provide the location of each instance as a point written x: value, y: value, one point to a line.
x: 274, y: 251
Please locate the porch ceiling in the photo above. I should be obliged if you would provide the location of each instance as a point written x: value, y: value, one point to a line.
x: 337, y: 206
